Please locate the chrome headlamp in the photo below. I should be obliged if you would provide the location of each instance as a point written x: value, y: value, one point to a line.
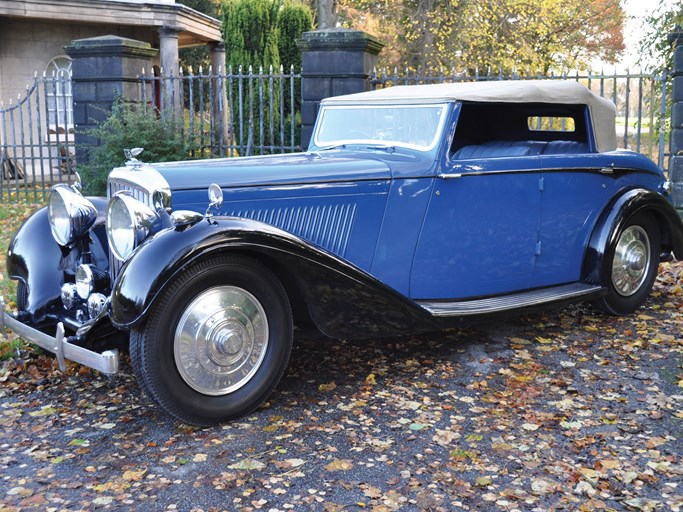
x: 71, y: 215
x: 129, y: 222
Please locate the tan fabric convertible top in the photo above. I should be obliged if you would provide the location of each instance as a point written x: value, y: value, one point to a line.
x: 602, y: 111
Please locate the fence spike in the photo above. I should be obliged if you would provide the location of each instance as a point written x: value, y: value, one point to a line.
x: 201, y: 70
x: 210, y: 70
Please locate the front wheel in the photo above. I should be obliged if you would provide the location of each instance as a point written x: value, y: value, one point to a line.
x: 216, y: 343
x: 634, y: 262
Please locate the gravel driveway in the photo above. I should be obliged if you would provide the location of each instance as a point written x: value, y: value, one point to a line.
x: 566, y: 409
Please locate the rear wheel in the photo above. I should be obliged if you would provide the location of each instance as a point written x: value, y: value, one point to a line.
x: 217, y: 342
x: 634, y: 261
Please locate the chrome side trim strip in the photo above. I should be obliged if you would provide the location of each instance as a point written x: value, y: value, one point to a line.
x: 508, y: 302
x: 107, y: 362
x: 466, y: 170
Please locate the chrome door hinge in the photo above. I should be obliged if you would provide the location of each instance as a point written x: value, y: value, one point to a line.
x: 538, y: 248
x: 541, y: 183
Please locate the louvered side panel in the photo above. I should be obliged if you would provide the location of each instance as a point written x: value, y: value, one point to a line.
x: 328, y: 226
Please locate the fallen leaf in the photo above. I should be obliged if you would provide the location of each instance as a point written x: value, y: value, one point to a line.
x: 134, y: 475
x: 43, y: 411
x: 339, y: 465
x: 483, y: 481
x: 248, y: 465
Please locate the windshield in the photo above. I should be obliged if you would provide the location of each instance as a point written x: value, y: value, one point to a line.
x: 414, y: 126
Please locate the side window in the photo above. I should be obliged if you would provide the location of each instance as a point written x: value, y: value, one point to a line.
x: 494, y: 130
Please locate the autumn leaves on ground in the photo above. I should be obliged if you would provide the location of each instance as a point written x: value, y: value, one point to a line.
x: 562, y: 410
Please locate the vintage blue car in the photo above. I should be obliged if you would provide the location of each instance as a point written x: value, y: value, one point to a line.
x: 413, y: 208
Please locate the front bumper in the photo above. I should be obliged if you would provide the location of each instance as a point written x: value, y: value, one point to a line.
x: 107, y: 362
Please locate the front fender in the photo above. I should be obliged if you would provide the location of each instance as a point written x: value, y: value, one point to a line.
x: 35, y: 258
x: 343, y: 300
x: 613, y: 218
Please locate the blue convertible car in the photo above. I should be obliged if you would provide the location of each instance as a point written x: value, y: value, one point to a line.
x: 413, y: 208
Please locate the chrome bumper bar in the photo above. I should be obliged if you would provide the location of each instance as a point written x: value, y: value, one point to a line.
x: 107, y: 362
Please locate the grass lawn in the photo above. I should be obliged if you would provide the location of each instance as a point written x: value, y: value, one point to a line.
x: 12, y: 214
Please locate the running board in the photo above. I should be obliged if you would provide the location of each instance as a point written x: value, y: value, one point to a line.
x: 526, y: 299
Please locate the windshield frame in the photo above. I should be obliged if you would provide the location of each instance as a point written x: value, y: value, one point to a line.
x: 378, y: 142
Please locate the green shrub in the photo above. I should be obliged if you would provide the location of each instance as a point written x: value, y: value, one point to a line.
x: 131, y: 125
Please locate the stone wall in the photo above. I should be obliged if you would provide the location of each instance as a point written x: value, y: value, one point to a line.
x: 27, y: 47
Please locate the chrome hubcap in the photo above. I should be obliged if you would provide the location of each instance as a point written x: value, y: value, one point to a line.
x: 221, y: 340
x: 631, y: 261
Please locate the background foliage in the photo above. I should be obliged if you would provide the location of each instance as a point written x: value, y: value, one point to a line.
x: 250, y: 33
x: 656, y: 52
x: 130, y: 125
x: 528, y: 35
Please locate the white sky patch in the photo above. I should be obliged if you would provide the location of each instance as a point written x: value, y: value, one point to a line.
x: 634, y: 30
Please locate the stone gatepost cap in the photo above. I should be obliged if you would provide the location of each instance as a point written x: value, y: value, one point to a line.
x: 110, y: 44
x: 339, y: 39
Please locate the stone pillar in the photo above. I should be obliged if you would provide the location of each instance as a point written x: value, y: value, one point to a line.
x: 170, y: 69
x: 676, y: 160
x: 168, y: 50
x: 334, y: 62
x: 220, y: 110
x: 103, y: 68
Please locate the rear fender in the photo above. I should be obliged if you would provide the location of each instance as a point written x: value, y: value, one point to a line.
x: 342, y: 300
x: 612, y: 220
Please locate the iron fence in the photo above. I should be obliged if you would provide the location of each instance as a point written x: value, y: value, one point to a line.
x: 37, y: 138
x: 641, y: 99
x: 247, y: 112
x: 239, y: 113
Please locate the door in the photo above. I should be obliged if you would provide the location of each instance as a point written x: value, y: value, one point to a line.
x: 575, y: 190
x: 480, y: 232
